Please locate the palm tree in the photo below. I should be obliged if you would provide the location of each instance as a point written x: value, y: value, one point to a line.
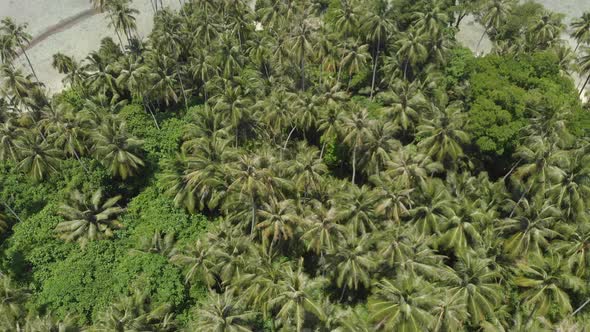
x: 251, y: 182
x: 393, y: 203
x: 412, y: 49
x: 9, y: 134
x: 354, y: 58
x: 404, y: 304
x: 278, y: 221
x: 295, y: 299
x: 433, y: 209
x: 117, y: 150
x: 475, y: 284
x: 546, y: 30
x: 12, y: 300
x: 322, y: 230
x: 378, y: 25
x: 572, y: 193
x: 199, y: 259
x: 432, y: 20
x: 89, y: 217
x: 443, y: 136
x: 378, y: 148
x: 493, y: 14
x: 545, y: 281
x: 575, y: 250
x: 356, y: 206
x: 531, y: 228
x: 123, y: 18
x: 351, y: 263
x: 356, y: 125
x: 409, y: 168
x: 7, y: 50
x: 581, y: 28
x: 405, y: 105
x: 223, y: 313
x: 38, y: 159
x: 51, y: 323
x: 18, y: 32
x: 307, y: 170
x: 136, y: 312
x: 584, y: 64
x: 301, y: 41
x: 347, y: 18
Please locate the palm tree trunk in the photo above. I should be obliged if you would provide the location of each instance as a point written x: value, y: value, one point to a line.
x: 287, y: 141
x: 375, y: 68
x: 303, y: 71
x: 322, y: 151
x: 342, y: 294
x: 182, y: 88
x: 480, y: 40
x: 117, y: 32
x: 80, y: 161
x: 581, y: 307
x: 353, y: 164
x: 460, y: 18
x: 253, y: 217
x: 12, y: 212
x: 406, y: 69
x: 584, y: 86
x: 147, y: 106
x: 577, y: 45
x: 30, y: 64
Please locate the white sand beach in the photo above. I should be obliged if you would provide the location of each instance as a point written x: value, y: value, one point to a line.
x: 81, y: 29
x: 75, y: 37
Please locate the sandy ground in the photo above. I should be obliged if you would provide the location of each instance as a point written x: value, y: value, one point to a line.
x: 76, y: 40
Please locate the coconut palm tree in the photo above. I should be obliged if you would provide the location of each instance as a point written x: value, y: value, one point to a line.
x: 584, y: 65
x: 354, y: 58
x: 492, y: 15
x: 404, y: 304
x: 51, y: 323
x: 307, y: 170
x: 18, y: 32
x: 476, y: 285
x: 409, y: 168
x: 545, y: 281
x: 7, y: 50
x: 411, y: 47
x: 198, y: 258
x: 38, y: 159
x: 351, y: 263
x: 378, y: 148
x: 278, y: 221
x: 581, y: 29
x: 301, y: 46
x: 223, y: 313
x: 356, y: 126
x: 321, y: 229
x: 89, y: 217
x: 356, y: 206
x: 9, y: 134
x: 295, y: 299
x: 12, y: 300
x: 443, y: 136
x: 136, y: 312
x: 531, y: 228
x: 123, y: 18
x: 378, y: 25
x: 405, y: 105
x: 117, y: 150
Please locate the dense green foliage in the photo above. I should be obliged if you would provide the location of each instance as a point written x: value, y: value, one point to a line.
x: 315, y: 165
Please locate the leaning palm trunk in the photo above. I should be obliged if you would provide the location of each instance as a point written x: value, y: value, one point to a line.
x: 375, y: 68
x: 353, y: 164
x: 182, y: 88
x: 12, y: 211
x: 584, y: 86
x: 30, y: 64
x: 287, y: 141
x: 80, y: 161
